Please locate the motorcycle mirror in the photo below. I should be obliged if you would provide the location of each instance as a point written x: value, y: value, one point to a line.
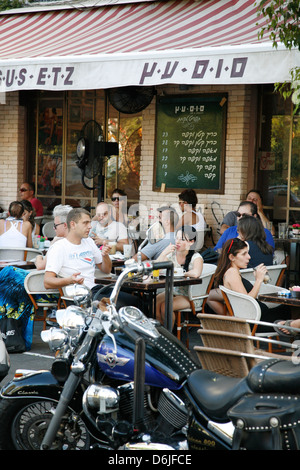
x: 79, y: 293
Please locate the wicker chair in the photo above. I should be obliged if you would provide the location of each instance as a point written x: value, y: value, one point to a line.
x: 228, y: 345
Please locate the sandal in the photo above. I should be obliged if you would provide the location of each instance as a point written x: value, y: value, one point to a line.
x: 291, y: 334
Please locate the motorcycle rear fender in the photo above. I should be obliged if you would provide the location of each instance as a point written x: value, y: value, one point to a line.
x: 39, y: 384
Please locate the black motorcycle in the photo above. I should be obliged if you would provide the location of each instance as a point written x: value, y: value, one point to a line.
x: 122, y: 381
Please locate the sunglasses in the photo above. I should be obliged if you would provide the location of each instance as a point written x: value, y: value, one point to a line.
x: 56, y: 225
x: 23, y: 190
x: 115, y: 198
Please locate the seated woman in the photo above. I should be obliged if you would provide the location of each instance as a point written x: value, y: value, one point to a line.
x: 235, y: 256
x: 183, y: 255
x: 14, y: 231
x: 29, y: 214
x: 251, y: 230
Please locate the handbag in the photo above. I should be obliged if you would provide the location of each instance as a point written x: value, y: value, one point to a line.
x: 11, y: 331
x: 210, y: 256
x: 266, y: 422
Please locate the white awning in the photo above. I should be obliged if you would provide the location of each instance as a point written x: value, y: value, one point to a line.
x: 138, y: 43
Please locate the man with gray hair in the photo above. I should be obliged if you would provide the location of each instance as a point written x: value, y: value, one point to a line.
x: 60, y: 214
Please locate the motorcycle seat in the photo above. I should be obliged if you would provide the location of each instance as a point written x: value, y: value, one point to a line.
x: 276, y: 375
x: 215, y: 393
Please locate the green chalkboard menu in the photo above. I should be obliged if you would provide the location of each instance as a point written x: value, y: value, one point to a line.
x: 190, y: 143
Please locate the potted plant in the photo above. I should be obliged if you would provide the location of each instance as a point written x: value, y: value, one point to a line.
x: 296, y: 229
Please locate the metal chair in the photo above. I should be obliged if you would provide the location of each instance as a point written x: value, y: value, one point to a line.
x: 198, y: 295
x: 48, y: 230
x: 18, y: 253
x: 34, y: 286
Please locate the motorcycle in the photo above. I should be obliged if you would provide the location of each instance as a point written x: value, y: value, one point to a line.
x: 122, y: 381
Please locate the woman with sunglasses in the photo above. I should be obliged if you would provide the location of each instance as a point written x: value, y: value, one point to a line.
x: 235, y: 256
x: 119, y: 206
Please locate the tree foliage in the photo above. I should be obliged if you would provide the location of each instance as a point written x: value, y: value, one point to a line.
x: 9, y: 4
x: 283, y: 26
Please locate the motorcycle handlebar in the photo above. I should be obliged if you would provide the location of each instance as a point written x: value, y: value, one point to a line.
x: 153, y: 265
x: 139, y: 268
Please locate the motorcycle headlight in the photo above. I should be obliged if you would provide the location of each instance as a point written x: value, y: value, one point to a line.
x: 71, y: 319
x: 55, y: 337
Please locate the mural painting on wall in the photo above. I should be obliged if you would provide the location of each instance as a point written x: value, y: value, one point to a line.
x: 50, y: 150
x: 127, y: 165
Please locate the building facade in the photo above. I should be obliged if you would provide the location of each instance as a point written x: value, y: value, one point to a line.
x: 42, y: 122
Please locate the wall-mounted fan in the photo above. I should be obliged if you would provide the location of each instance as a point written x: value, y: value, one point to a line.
x: 92, y: 150
x: 131, y: 99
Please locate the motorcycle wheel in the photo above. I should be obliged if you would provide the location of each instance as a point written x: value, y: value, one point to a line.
x: 24, y: 423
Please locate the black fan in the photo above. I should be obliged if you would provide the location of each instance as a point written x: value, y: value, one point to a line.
x: 131, y: 99
x: 91, y: 150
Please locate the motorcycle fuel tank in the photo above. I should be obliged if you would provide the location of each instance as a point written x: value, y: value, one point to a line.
x: 167, y: 361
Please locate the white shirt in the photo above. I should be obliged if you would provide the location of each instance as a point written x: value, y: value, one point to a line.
x: 114, y: 231
x: 65, y: 258
x: 13, y: 237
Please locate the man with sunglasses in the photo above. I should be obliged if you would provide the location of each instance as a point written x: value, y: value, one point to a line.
x: 27, y: 193
x: 105, y: 230
x: 245, y: 208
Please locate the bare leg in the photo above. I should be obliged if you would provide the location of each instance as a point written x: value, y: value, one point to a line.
x: 215, y: 301
x: 179, y: 302
x: 160, y: 300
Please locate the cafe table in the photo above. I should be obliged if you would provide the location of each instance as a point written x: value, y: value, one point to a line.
x: 17, y: 264
x: 275, y: 297
x: 287, y: 243
x: 147, y: 287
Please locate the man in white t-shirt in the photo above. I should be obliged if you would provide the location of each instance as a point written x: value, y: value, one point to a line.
x: 73, y: 259
x: 105, y: 229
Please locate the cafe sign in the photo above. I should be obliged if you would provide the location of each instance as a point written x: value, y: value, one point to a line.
x: 213, y: 66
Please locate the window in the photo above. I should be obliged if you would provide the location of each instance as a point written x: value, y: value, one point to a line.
x: 56, y: 121
x: 279, y: 158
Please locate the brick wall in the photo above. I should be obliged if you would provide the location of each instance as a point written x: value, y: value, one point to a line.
x: 11, y: 148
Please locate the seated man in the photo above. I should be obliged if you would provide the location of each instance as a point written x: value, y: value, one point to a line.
x: 254, y: 196
x: 27, y: 193
x: 168, y: 218
x: 248, y: 208
x: 104, y: 229
x: 60, y: 214
x: 72, y: 260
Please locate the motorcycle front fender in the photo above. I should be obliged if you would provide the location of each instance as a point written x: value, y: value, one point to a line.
x: 39, y: 384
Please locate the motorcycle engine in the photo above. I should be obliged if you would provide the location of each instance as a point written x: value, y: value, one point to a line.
x: 112, y: 408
